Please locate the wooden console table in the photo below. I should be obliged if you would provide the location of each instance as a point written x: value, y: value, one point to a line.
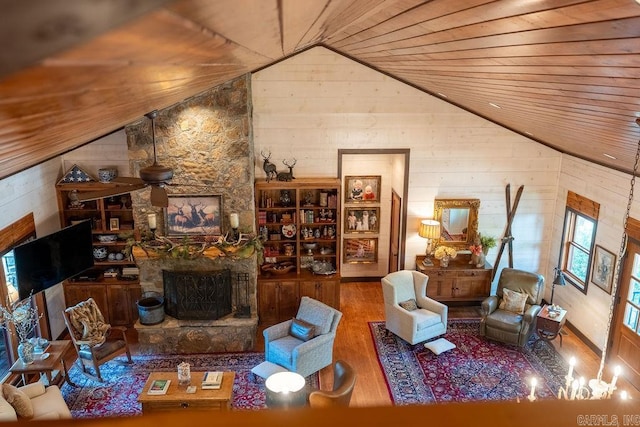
x: 459, y: 282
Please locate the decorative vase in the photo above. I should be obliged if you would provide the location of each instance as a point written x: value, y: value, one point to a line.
x: 25, y: 352
x: 444, y: 261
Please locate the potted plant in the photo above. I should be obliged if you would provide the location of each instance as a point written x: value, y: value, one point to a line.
x: 22, y: 318
x: 487, y: 242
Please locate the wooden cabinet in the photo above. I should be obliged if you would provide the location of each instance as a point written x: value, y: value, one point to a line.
x: 299, y: 221
x: 113, y: 225
x: 327, y: 291
x: 277, y: 300
x: 460, y: 281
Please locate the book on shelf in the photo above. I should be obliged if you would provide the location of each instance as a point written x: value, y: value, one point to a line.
x: 159, y: 387
x: 212, y: 380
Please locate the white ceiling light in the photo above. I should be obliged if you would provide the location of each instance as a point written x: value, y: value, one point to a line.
x: 494, y: 105
x: 443, y: 95
x: 609, y: 155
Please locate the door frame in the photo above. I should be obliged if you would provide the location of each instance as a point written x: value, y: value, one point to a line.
x: 405, y: 191
x: 616, y: 329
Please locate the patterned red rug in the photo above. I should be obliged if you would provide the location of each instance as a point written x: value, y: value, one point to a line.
x: 118, y: 394
x: 477, y: 369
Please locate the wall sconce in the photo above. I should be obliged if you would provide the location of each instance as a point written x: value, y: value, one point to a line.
x: 430, y: 230
x: 234, y: 220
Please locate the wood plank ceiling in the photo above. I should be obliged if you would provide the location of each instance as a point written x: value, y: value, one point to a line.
x: 563, y: 72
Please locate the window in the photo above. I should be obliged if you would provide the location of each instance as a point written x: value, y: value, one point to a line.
x: 580, y: 221
x: 632, y: 305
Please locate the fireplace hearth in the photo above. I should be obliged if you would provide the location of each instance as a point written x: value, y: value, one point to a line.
x: 197, y: 295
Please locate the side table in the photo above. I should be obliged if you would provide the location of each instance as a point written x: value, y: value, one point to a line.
x: 548, y: 326
x: 52, y: 367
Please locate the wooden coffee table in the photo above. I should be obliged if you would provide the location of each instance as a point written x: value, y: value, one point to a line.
x: 178, y: 398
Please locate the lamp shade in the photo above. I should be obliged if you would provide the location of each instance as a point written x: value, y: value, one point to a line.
x: 286, y: 390
x: 559, y: 279
x: 429, y: 229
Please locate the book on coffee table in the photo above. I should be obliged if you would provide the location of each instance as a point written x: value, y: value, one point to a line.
x: 212, y: 380
x: 159, y: 387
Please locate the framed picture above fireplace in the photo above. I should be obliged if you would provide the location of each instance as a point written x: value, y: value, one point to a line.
x: 194, y: 215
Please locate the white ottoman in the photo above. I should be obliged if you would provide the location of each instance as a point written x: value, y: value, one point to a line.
x: 266, y: 369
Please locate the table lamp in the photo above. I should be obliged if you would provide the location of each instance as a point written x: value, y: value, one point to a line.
x: 286, y: 390
x: 430, y: 230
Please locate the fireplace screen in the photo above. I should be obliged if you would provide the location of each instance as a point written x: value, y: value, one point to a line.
x: 197, y: 295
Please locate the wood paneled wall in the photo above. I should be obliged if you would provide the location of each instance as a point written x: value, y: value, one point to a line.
x: 313, y: 104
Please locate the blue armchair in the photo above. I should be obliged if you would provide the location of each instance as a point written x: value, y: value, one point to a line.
x: 297, y: 352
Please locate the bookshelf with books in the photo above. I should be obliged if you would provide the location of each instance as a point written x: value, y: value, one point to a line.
x: 299, y: 221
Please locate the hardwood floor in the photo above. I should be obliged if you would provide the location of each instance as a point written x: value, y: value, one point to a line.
x: 361, y: 303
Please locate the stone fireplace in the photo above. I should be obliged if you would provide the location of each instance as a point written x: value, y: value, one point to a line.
x: 207, y: 141
x: 197, y: 295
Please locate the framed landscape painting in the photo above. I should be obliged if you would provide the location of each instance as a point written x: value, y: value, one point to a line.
x: 361, y: 220
x: 602, y: 269
x: 362, y: 189
x: 194, y: 215
x: 360, y: 250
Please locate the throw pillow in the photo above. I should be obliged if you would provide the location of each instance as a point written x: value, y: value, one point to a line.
x: 513, y: 301
x: 409, y: 304
x: 439, y: 346
x: 19, y: 400
x: 302, y: 330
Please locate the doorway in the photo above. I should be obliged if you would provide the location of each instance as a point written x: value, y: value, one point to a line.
x: 392, y: 167
x: 394, y: 234
x: 625, y: 348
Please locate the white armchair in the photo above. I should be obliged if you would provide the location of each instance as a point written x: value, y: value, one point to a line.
x: 420, y: 319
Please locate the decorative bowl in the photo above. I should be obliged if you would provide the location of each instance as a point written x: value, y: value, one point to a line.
x: 310, y: 247
x: 107, y: 238
x: 280, y: 268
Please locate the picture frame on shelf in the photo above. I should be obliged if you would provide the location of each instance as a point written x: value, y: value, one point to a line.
x: 193, y: 215
x: 361, y: 250
x: 361, y: 220
x: 602, y: 268
x: 362, y: 189
x: 114, y: 224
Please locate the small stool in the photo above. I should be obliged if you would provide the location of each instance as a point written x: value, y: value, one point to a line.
x: 266, y: 369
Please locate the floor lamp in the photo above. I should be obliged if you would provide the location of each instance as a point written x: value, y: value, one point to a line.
x: 430, y: 230
x: 558, y: 280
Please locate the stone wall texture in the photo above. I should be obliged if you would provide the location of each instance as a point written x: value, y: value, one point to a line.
x: 207, y: 141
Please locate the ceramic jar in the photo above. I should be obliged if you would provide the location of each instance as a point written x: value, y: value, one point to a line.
x: 100, y: 252
x: 107, y: 174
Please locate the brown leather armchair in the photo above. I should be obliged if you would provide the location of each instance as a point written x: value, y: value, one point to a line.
x: 344, y: 379
x: 507, y: 326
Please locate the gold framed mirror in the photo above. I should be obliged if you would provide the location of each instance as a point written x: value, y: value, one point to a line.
x: 458, y: 220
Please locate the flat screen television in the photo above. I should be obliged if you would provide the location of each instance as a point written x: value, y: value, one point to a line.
x: 48, y: 260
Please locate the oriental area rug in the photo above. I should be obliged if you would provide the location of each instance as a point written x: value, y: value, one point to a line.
x: 118, y: 395
x: 478, y: 369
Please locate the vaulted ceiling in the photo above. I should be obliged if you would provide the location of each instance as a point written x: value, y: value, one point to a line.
x: 563, y: 72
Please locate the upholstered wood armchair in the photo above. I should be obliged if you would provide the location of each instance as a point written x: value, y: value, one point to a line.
x: 510, y: 315
x: 409, y: 313
x: 95, y: 341
x: 303, y: 344
x: 344, y: 380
